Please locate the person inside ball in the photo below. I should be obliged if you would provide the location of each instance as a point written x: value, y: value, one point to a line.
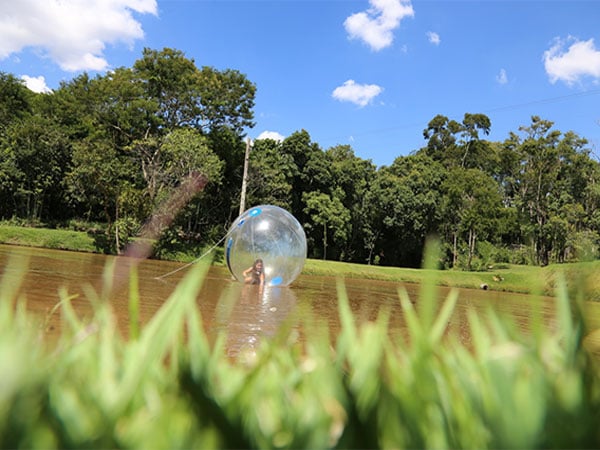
x: 255, y: 274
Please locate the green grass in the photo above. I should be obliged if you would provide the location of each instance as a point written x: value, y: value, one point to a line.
x: 47, y: 238
x: 167, y: 387
x: 513, y: 278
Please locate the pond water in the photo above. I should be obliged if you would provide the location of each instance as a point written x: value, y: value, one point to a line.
x: 245, y: 312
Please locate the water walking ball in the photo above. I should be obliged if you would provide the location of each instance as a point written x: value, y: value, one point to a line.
x: 269, y: 233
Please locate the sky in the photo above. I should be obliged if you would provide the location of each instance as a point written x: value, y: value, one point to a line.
x: 366, y: 73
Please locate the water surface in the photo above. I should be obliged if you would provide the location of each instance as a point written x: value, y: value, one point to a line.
x: 247, y: 313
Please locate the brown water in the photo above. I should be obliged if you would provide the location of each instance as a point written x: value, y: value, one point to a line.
x: 247, y: 313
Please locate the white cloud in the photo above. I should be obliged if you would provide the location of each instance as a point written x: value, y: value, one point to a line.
x: 359, y: 94
x: 36, y: 84
x: 579, y: 60
x: 502, y: 77
x: 434, y: 38
x: 375, y: 26
x: 271, y: 135
x: 72, y: 33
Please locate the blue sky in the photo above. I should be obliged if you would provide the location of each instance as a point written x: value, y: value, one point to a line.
x: 370, y: 74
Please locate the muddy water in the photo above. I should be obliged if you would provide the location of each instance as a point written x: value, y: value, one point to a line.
x: 246, y: 313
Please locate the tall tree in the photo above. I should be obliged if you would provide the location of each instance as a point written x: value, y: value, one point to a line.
x: 227, y: 99
x: 547, y: 173
x: 351, y: 177
x: 188, y: 96
x: 441, y: 137
x: 270, y: 174
x: 474, y: 150
x: 103, y: 116
x: 457, y: 144
x: 472, y: 206
x: 39, y: 155
x: 310, y: 172
x: 15, y: 99
x: 404, y: 203
x: 328, y: 212
x: 186, y: 154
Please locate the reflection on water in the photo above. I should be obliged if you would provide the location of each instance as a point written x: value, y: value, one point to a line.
x: 246, y: 313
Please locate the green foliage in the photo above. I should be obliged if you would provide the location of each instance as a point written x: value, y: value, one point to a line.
x: 403, y: 207
x: 472, y: 204
x: 16, y: 99
x: 167, y: 386
x: 187, y: 151
x: 269, y: 174
x: 327, y: 212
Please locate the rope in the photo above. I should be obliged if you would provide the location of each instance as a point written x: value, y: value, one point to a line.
x: 194, y: 261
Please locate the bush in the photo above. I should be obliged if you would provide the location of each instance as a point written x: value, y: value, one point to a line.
x: 522, y: 254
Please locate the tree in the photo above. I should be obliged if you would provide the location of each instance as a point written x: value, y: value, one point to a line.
x: 537, y: 176
x: 458, y: 144
x: 547, y: 176
x: 15, y: 100
x: 472, y: 205
x: 330, y: 213
x: 186, y: 153
x: 351, y: 177
x: 441, y: 140
x: 475, y: 151
x: 187, y: 96
x: 385, y: 202
x: 36, y: 156
x: 403, y: 208
x: 103, y: 116
x: 227, y: 99
x: 218, y: 104
x: 309, y: 172
x: 270, y: 174
x: 101, y: 179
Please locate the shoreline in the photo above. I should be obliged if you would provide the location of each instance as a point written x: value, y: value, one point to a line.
x: 503, y: 277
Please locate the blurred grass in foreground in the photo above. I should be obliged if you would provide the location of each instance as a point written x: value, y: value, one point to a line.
x: 167, y: 387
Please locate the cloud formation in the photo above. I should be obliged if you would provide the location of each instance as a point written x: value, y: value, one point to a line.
x: 502, y: 77
x: 433, y: 38
x: 274, y: 135
x: 570, y: 65
x: 36, y: 84
x: 72, y: 33
x: 375, y: 26
x: 359, y: 94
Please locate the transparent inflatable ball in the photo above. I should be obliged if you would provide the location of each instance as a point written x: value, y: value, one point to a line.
x: 271, y: 234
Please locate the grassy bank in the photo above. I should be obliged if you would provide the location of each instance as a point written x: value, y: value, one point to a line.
x: 507, y: 278
x: 47, y: 238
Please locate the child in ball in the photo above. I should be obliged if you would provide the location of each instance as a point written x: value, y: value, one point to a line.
x: 255, y: 274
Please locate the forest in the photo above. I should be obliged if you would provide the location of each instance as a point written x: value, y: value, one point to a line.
x: 103, y: 153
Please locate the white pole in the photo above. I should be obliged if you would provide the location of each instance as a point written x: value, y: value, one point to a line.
x: 245, y: 177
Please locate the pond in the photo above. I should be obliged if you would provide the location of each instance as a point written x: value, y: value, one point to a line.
x: 246, y: 313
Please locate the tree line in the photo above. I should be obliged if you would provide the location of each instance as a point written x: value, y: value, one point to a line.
x: 104, y: 153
